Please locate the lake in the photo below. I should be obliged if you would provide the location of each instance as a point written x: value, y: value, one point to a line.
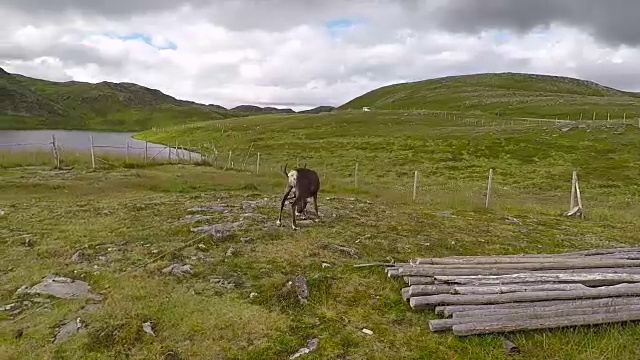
x: 79, y: 141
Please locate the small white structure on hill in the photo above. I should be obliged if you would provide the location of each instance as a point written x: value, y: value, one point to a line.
x: 366, y: 108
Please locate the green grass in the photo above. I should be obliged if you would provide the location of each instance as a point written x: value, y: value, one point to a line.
x: 131, y: 212
x: 505, y: 94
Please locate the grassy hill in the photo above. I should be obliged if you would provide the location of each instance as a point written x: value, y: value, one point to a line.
x: 28, y: 103
x: 511, y: 94
x: 132, y: 222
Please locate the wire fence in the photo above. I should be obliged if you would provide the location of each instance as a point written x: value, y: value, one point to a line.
x: 410, y: 184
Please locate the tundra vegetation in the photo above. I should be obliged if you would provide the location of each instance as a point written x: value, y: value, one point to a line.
x: 188, y: 260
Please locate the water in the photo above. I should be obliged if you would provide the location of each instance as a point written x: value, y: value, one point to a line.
x: 79, y: 141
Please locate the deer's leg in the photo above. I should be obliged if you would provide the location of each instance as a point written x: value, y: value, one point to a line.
x: 315, y: 205
x: 284, y: 199
x: 293, y: 212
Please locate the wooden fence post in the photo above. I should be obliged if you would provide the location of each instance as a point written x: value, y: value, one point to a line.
x: 489, y: 184
x: 126, y: 154
x: 355, y: 176
x: 572, y: 203
x: 146, y: 150
x: 258, y: 164
x: 93, y: 156
x: 56, y: 155
x: 415, y: 185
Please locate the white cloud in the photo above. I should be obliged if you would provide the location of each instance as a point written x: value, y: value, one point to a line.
x: 287, y: 55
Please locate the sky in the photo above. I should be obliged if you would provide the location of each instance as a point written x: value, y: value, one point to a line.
x: 305, y: 53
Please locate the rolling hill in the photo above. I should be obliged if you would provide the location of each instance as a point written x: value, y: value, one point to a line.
x: 29, y: 103
x: 511, y: 94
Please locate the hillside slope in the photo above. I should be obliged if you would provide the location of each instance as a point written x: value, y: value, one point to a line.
x: 28, y: 103
x: 513, y: 94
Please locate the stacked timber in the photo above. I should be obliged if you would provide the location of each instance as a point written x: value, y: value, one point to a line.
x: 497, y: 294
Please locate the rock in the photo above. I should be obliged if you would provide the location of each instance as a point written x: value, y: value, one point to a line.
x: 218, y: 230
x: 210, y: 208
x: 510, y: 347
x: 253, y: 295
x: 202, y: 247
x: 312, y: 344
x: 27, y: 242
x: 78, y: 256
x: 147, y: 326
x: 3, y: 212
x: 301, y: 288
x: 513, y: 220
x: 67, y: 329
x: 250, y: 205
x: 64, y: 288
x: 222, y: 282
x: 178, y: 269
x: 350, y: 251
x: 190, y: 219
x: 231, y: 251
x: 7, y: 307
x: 325, y: 265
x: 446, y: 214
x: 89, y: 308
x: 367, y: 331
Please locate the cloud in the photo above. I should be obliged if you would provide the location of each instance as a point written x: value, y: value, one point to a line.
x: 313, y: 52
x: 612, y: 22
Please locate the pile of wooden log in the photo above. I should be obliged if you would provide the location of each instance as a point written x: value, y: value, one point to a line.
x: 497, y: 294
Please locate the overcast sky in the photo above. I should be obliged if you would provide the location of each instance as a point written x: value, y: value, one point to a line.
x: 304, y: 53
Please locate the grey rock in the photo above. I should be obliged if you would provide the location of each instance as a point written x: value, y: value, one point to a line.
x: 7, y: 307
x: 67, y: 329
x: 147, y: 326
x: 312, y: 345
x: 64, y: 288
x: 178, y: 269
x: 78, y: 256
x: 219, y: 230
x: 190, y: 219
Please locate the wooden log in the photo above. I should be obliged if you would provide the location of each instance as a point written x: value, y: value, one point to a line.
x: 406, y: 293
x: 499, y: 272
x: 425, y: 302
x: 393, y: 272
x: 519, y: 259
x: 422, y: 290
x: 458, y: 309
x: 533, y: 324
x: 447, y: 324
x: 604, y: 251
x: 577, y: 304
x: 562, y: 265
x: 583, y: 278
x: 418, y: 280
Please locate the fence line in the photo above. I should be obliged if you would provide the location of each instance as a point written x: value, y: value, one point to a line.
x: 207, y: 154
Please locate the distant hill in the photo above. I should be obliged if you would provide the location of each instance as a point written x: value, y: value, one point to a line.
x: 258, y: 109
x: 28, y: 103
x: 318, y: 110
x: 514, y: 94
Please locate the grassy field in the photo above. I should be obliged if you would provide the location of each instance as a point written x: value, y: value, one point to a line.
x: 126, y: 221
x: 505, y: 94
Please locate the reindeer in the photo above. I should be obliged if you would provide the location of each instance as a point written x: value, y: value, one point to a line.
x: 305, y: 183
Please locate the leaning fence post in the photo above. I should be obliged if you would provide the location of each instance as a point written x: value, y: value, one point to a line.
x: 93, y: 156
x: 146, y: 149
x: 489, y: 183
x: 258, y: 164
x: 126, y: 154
